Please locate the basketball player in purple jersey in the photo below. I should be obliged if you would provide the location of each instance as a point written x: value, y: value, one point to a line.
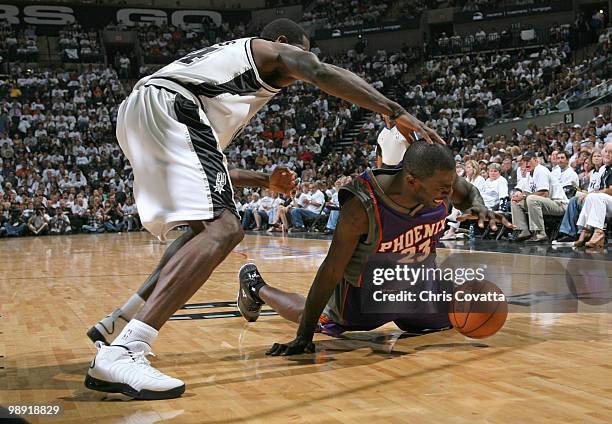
x: 173, y: 127
x: 386, y: 212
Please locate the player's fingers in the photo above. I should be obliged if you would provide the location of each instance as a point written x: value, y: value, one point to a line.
x: 482, y: 217
x: 293, y: 350
x: 505, y: 221
x: 423, y: 132
x: 310, y: 348
x: 282, y: 348
x: 273, y: 349
x: 492, y: 220
x: 438, y: 138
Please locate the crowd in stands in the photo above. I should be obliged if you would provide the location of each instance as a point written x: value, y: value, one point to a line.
x: 338, y: 13
x: 457, y: 95
x: 472, y: 89
x: 413, y: 8
x: 165, y: 43
x: 62, y: 170
x: 566, y: 85
x: 18, y: 44
x: 78, y: 44
x: 508, y: 38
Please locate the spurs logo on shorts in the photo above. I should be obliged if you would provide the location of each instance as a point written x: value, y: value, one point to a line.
x: 221, y: 181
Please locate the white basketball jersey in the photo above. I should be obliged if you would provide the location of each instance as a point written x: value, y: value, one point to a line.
x: 393, y: 146
x: 225, y: 81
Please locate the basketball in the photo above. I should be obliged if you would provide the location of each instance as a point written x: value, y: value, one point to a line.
x: 478, y: 309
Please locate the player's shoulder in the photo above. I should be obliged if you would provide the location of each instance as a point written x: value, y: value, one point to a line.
x: 353, y: 210
x: 265, y: 46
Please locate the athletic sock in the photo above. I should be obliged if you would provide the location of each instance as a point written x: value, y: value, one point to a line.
x: 136, y: 331
x: 131, y: 307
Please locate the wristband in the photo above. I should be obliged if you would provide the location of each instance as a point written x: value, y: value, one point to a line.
x: 397, y: 114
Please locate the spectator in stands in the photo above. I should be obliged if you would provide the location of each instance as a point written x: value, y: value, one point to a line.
x: 249, y: 210
x: 96, y: 220
x: 472, y: 174
x: 113, y: 216
x: 334, y: 206
x: 568, y: 233
x: 273, y: 215
x: 60, y: 223
x: 495, y: 188
x: 38, y: 224
x: 536, y: 195
x: 313, y: 203
x: 564, y: 173
x: 14, y: 225
x: 597, y: 206
x: 124, y: 66
x: 265, y: 207
x: 131, y: 219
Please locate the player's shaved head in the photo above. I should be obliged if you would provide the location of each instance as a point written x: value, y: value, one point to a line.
x: 287, y: 28
x: 422, y: 159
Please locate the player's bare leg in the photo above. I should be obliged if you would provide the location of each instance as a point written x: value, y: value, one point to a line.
x: 190, y: 267
x: 122, y: 367
x: 110, y: 326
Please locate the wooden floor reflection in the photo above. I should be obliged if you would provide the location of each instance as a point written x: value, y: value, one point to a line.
x: 550, y: 363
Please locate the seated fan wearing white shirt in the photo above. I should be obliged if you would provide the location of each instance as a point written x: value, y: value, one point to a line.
x: 537, y: 195
x: 391, y: 146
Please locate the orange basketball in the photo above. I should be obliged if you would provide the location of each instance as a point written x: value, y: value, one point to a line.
x: 478, y: 309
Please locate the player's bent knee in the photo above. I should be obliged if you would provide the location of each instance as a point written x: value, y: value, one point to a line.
x: 232, y: 233
x: 237, y: 235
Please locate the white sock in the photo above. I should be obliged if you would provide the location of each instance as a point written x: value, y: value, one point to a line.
x: 132, y: 306
x: 136, y: 331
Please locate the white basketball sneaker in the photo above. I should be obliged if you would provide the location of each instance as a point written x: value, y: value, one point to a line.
x: 108, y: 328
x: 125, y: 369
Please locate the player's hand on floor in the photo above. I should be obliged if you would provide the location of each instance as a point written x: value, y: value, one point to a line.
x: 294, y: 347
x: 283, y: 180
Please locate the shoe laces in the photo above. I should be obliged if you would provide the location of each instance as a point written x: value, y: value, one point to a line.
x: 140, y: 358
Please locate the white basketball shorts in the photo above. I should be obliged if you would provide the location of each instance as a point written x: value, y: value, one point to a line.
x: 180, y: 173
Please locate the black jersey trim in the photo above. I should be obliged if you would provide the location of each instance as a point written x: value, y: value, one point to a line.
x: 185, y: 86
x: 243, y: 84
x: 384, y: 197
x: 248, y: 47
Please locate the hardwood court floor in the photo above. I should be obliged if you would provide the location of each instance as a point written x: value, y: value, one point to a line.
x: 540, y: 368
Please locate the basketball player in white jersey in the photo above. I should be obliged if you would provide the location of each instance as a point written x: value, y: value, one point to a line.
x: 173, y: 128
x: 391, y: 146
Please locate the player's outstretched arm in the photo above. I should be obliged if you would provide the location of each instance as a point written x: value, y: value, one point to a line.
x: 282, y: 180
x: 286, y: 63
x: 467, y: 198
x: 352, y: 225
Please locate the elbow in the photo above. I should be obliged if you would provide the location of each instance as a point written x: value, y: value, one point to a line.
x: 320, y: 73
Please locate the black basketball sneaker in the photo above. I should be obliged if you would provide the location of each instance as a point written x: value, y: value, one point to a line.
x: 248, y: 302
